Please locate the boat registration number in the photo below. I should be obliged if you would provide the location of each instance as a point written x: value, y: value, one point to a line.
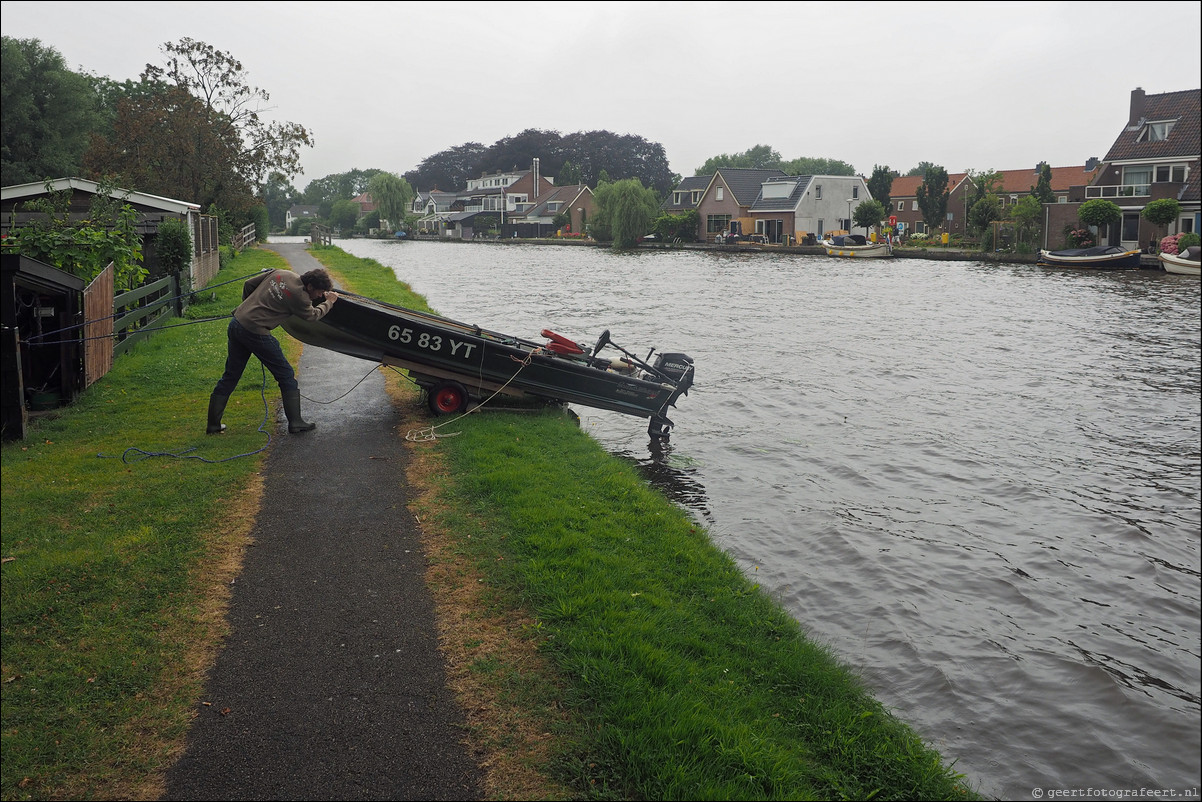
x: 430, y: 342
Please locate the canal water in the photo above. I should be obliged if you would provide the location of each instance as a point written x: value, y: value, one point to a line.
x: 977, y: 483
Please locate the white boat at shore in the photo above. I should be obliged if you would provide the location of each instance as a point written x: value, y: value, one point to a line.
x: 855, y: 247
x: 1184, y: 264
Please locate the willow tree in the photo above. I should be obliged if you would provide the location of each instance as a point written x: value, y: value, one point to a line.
x: 392, y: 195
x: 626, y: 210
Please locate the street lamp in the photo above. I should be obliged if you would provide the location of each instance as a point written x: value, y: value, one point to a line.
x: 849, y: 200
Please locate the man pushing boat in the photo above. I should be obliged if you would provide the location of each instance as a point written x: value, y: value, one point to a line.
x: 268, y: 299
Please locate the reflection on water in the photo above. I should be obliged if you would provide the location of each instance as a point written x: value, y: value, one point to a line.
x: 979, y: 484
x: 672, y: 475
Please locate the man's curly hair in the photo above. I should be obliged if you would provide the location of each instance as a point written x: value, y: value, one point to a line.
x: 318, y: 279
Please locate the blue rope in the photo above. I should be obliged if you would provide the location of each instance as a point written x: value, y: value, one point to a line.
x: 140, y: 454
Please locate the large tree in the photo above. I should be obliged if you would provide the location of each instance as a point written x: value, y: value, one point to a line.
x: 324, y: 192
x: 932, y: 195
x: 760, y: 157
x: 813, y: 166
x: 519, y: 152
x: 448, y: 170
x: 392, y: 195
x: 1042, y: 191
x: 880, y: 184
x: 589, y: 154
x: 278, y: 195
x: 625, y: 211
x: 200, y: 113
x: 49, y: 113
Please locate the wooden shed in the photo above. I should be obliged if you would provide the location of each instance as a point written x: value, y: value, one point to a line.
x: 42, y: 350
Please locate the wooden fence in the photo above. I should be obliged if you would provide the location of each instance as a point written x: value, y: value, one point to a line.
x: 98, y: 327
x: 136, y: 312
x: 320, y: 235
x: 245, y: 238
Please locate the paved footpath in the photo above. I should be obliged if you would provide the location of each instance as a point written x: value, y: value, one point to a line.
x: 331, y: 685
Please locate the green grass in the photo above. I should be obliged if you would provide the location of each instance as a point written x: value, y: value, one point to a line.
x: 105, y: 549
x: 670, y: 674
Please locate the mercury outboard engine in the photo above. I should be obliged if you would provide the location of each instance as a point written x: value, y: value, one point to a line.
x: 678, y: 369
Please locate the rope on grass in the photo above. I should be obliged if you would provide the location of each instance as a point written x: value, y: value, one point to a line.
x: 135, y: 454
x: 429, y: 433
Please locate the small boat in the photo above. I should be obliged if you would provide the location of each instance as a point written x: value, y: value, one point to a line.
x: 456, y: 362
x: 1099, y: 257
x: 1184, y: 264
x: 856, y: 247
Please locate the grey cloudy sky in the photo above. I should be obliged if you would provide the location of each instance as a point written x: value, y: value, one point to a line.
x: 970, y: 85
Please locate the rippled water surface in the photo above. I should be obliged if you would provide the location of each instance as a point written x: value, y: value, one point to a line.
x: 979, y: 484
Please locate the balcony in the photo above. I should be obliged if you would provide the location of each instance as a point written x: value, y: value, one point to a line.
x: 1118, y: 191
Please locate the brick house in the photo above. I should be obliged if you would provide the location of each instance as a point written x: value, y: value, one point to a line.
x: 903, y: 198
x: 1155, y: 156
x: 726, y: 199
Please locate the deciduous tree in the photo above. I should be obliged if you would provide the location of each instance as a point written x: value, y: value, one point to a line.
x: 1042, y: 191
x: 1162, y: 212
x: 932, y: 195
x: 197, y: 132
x: 880, y: 184
x: 49, y: 113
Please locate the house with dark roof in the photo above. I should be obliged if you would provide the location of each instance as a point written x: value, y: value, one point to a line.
x: 299, y: 212
x: 793, y: 207
x: 486, y: 203
x: 727, y: 199
x: 537, y: 219
x: 1156, y: 155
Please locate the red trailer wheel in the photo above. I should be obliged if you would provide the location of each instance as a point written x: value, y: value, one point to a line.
x: 446, y: 398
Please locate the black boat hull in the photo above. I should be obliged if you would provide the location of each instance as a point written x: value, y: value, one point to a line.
x: 434, y: 349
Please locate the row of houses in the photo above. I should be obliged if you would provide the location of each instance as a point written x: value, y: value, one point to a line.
x: 1155, y: 156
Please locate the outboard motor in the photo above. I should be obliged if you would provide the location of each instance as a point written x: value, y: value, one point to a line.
x: 678, y: 369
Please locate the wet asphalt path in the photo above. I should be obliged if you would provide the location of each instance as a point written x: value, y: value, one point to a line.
x: 331, y: 685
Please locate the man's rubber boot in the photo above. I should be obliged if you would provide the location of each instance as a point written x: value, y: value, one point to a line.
x: 216, y: 410
x: 296, y: 424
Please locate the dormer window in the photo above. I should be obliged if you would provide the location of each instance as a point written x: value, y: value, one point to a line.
x: 1156, y: 131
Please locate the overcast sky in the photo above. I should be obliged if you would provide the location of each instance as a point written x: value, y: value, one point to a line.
x: 969, y: 85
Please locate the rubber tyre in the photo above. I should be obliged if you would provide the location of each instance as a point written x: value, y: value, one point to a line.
x: 447, y: 398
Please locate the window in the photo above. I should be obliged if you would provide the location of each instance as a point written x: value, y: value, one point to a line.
x: 676, y: 198
x: 915, y: 209
x: 718, y: 193
x: 855, y: 193
x: 1156, y: 131
x: 1062, y: 199
x: 715, y: 223
x: 1170, y: 172
x: 696, y: 196
x: 818, y: 192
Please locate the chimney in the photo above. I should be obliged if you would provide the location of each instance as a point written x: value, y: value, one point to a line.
x: 1091, y: 164
x: 1137, y: 106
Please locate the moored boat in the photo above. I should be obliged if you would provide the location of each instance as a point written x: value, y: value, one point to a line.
x: 1099, y: 257
x: 457, y: 362
x: 856, y: 247
x: 1184, y: 264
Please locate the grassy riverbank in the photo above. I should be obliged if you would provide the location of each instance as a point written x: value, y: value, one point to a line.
x: 602, y: 647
